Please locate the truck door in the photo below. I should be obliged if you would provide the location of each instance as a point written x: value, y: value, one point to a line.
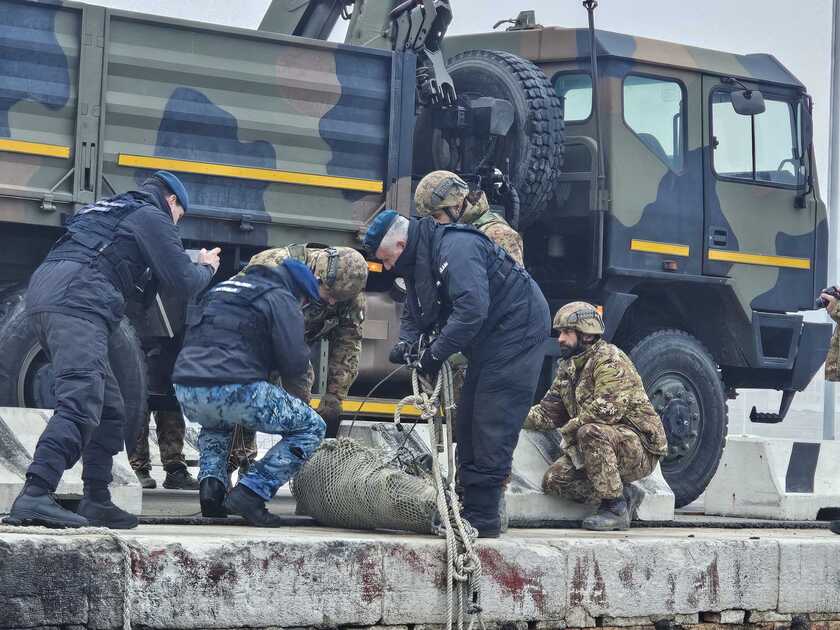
x: 759, y: 226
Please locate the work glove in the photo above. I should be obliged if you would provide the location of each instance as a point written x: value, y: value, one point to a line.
x: 429, y: 365
x: 398, y: 352
x: 330, y: 410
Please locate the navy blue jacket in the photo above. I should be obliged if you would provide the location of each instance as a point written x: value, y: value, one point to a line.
x: 483, y: 302
x: 250, y: 326
x: 147, y: 237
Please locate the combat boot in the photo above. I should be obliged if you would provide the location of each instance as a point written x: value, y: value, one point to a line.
x: 835, y: 527
x: 179, y: 478
x: 612, y: 515
x: 211, y: 495
x: 251, y: 507
x: 145, y: 479
x: 103, y: 513
x: 36, y: 506
x: 633, y: 495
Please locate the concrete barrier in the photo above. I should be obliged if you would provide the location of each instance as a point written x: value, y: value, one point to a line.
x: 527, y: 504
x: 19, y: 433
x: 217, y: 577
x: 775, y: 478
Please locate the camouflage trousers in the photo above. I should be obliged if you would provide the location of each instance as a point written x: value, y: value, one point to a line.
x: 170, y: 428
x: 244, y: 450
x: 612, y: 456
x: 258, y: 406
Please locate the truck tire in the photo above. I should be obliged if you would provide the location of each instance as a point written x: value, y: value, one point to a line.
x: 534, y: 145
x: 26, y: 377
x: 683, y: 383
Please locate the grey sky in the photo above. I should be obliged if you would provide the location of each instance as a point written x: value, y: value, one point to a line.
x: 798, y: 34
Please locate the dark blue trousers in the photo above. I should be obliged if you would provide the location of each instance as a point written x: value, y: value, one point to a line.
x: 89, y: 412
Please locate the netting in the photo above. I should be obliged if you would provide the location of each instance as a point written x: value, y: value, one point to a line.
x: 346, y: 484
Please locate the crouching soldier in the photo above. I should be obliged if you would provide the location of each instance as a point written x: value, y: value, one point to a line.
x: 339, y: 318
x: 611, y: 433
x: 251, y: 325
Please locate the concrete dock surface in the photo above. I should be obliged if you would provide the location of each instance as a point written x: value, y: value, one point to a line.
x: 235, y: 576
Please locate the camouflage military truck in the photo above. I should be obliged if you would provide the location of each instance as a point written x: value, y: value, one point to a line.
x: 678, y: 191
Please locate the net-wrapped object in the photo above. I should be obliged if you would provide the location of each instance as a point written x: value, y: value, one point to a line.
x: 346, y: 484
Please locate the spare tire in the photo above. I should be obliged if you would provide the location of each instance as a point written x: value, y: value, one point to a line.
x: 26, y: 375
x: 532, y: 151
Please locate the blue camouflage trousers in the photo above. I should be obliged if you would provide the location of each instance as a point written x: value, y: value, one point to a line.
x: 258, y: 406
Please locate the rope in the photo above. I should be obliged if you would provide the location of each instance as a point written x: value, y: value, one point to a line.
x: 463, y: 570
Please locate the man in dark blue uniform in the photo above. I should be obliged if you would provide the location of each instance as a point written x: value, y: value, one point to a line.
x: 472, y: 297
x: 250, y: 326
x: 76, y: 298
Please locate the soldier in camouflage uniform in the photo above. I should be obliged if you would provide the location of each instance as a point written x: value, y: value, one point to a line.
x: 170, y: 428
x: 446, y: 197
x: 343, y: 271
x: 611, y: 433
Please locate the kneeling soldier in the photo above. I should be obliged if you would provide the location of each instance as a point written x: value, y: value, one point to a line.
x: 612, y: 435
x: 251, y: 325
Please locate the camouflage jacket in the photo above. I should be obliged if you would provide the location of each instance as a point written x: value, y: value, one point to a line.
x: 832, y: 360
x: 341, y: 324
x: 600, y: 385
x: 497, y: 230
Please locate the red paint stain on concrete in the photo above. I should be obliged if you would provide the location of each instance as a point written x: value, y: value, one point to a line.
x: 512, y: 578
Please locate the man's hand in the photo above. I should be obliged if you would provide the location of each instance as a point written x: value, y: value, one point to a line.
x: 330, y: 410
x: 569, y: 431
x: 429, y: 365
x: 829, y: 300
x: 398, y: 352
x: 210, y: 258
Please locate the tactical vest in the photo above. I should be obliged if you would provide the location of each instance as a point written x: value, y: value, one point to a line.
x: 228, y: 308
x: 92, y: 239
x: 424, y: 298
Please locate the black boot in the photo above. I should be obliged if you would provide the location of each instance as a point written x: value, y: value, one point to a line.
x: 211, y: 495
x: 481, y: 509
x: 612, y: 515
x: 835, y: 527
x: 179, y: 478
x: 105, y: 514
x: 36, y: 506
x: 251, y: 507
x: 145, y: 479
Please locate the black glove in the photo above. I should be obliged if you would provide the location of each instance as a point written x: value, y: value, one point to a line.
x: 429, y: 365
x: 398, y: 352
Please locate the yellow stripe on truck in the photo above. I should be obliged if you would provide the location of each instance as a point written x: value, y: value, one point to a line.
x: 379, y: 408
x: 34, y: 148
x: 653, y: 247
x: 744, y: 258
x: 248, y: 172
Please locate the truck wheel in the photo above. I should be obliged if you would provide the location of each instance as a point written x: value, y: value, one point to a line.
x: 682, y: 381
x: 533, y: 147
x: 26, y: 375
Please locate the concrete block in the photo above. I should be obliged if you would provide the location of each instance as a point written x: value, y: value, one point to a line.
x: 626, y: 622
x: 643, y: 577
x: 577, y: 617
x: 40, y: 580
x: 724, y: 617
x: 775, y: 478
x: 549, y: 625
x: 691, y: 618
x: 810, y: 576
x: 767, y: 616
x: 521, y: 582
x: 19, y: 433
x: 528, y: 505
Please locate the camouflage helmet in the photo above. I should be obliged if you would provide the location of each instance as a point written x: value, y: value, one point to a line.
x: 475, y: 209
x: 342, y: 270
x: 579, y: 316
x: 438, y: 190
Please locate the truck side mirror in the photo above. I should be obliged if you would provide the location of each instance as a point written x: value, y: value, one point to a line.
x: 747, y: 102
